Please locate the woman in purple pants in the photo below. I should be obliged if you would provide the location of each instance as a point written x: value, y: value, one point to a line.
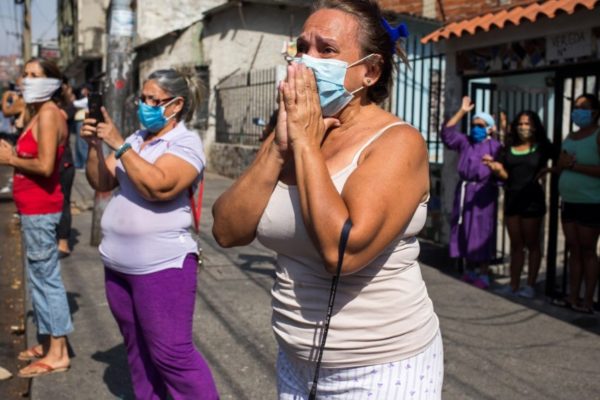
x: 147, y: 248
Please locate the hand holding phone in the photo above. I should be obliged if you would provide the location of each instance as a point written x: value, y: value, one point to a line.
x: 95, y: 104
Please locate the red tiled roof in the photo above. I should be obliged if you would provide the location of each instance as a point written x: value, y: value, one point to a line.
x: 514, y: 16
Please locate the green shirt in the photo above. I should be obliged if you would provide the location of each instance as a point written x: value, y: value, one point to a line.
x: 573, y: 186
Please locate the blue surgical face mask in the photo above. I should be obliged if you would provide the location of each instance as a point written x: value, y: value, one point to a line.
x: 582, y: 117
x: 478, y: 134
x: 153, y: 117
x: 330, y: 75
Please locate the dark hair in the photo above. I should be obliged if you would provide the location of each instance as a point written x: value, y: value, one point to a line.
x: 180, y: 83
x: 539, y: 132
x: 51, y: 70
x: 373, y: 39
x: 593, y: 100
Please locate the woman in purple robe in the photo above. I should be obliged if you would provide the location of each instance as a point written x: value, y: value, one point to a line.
x: 473, y: 230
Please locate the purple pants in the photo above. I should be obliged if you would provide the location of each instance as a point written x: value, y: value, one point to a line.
x: 154, y: 313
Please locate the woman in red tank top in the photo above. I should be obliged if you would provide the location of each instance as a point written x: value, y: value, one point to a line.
x: 38, y: 197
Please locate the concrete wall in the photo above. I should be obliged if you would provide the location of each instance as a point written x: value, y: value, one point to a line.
x: 86, y: 21
x: 157, y: 18
x: 91, y: 28
x: 242, y: 39
x: 179, y: 49
x: 230, y: 159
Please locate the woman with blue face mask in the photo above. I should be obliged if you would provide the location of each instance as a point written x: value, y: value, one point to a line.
x: 337, y: 158
x: 149, y: 254
x: 579, y: 188
x: 473, y: 222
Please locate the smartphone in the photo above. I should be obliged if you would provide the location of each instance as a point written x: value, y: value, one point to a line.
x: 95, y: 104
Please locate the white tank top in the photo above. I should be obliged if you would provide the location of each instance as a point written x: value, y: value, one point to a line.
x: 382, y: 313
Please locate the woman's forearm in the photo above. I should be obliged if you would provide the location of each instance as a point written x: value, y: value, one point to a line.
x: 323, y: 209
x: 33, y: 166
x: 238, y: 210
x: 456, y: 118
x: 586, y: 169
x: 149, y: 180
x: 96, y: 171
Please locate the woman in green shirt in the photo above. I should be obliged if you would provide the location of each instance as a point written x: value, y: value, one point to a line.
x: 579, y: 187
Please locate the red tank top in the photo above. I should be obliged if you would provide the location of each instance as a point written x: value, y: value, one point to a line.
x: 36, y: 194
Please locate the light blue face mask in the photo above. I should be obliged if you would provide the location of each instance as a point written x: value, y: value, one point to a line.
x: 153, y: 117
x: 330, y: 75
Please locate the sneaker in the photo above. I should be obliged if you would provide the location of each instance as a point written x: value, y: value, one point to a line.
x: 469, y: 277
x: 4, y: 374
x: 527, y: 292
x: 482, y: 282
x: 505, y: 290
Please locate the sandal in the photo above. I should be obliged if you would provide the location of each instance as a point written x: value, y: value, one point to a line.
x: 584, y: 309
x: 30, y: 354
x: 561, y: 302
x: 45, y: 369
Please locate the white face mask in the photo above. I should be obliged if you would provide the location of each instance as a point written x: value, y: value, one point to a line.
x: 36, y: 90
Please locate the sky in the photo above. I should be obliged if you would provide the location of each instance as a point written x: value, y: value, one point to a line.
x: 43, y: 23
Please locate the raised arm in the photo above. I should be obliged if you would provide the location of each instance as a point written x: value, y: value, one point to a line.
x: 165, y: 179
x: 451, y: 135
x: 237, y: 212
x: 12, y: 104
x: 380, y: 197
x: 100, y: 170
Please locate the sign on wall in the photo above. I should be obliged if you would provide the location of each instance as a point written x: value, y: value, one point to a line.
x: 569, y: 45
x: 527, y: 54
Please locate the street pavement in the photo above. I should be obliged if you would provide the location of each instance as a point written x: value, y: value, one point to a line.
x: 495, y: 347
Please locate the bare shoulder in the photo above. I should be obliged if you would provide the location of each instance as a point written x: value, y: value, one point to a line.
x: 50, y: 112
x: 400, y: 139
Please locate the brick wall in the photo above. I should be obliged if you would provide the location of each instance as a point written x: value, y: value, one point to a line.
x: 453, y: 9
x: 414, y: 7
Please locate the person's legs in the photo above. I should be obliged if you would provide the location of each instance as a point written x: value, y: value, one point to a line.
x: 588, y: 240
x: 147, y: 383
x: 517, y: 251
x: 48, y: 294
x: 531, y: 228
x: 67, y: 175
x: 575, y: 264
x: 164, y: 303
x: 81, y: 147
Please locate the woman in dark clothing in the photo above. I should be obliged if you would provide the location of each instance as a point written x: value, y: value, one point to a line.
x: 67, y: 174
x: 526, y: 154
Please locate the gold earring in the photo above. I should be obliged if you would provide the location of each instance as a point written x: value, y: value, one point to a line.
x: 368, y: 82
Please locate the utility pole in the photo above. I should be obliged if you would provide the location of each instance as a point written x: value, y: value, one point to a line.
x: 119, y: 73
x: 26, y: 30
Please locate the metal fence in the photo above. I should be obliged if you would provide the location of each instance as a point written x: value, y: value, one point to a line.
x: 240, y: 99
x: 417, y: 95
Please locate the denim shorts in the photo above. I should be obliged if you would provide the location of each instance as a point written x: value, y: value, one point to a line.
x: 48, y: 295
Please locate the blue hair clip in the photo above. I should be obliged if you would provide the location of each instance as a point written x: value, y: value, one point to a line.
x: 401, y: 31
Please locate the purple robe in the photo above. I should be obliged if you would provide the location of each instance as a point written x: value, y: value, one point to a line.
x: 473, y: 230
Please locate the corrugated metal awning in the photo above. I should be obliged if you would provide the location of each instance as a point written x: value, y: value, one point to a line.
x: 514, y: 16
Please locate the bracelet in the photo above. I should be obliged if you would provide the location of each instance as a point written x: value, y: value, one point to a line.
x: 121, y: 150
